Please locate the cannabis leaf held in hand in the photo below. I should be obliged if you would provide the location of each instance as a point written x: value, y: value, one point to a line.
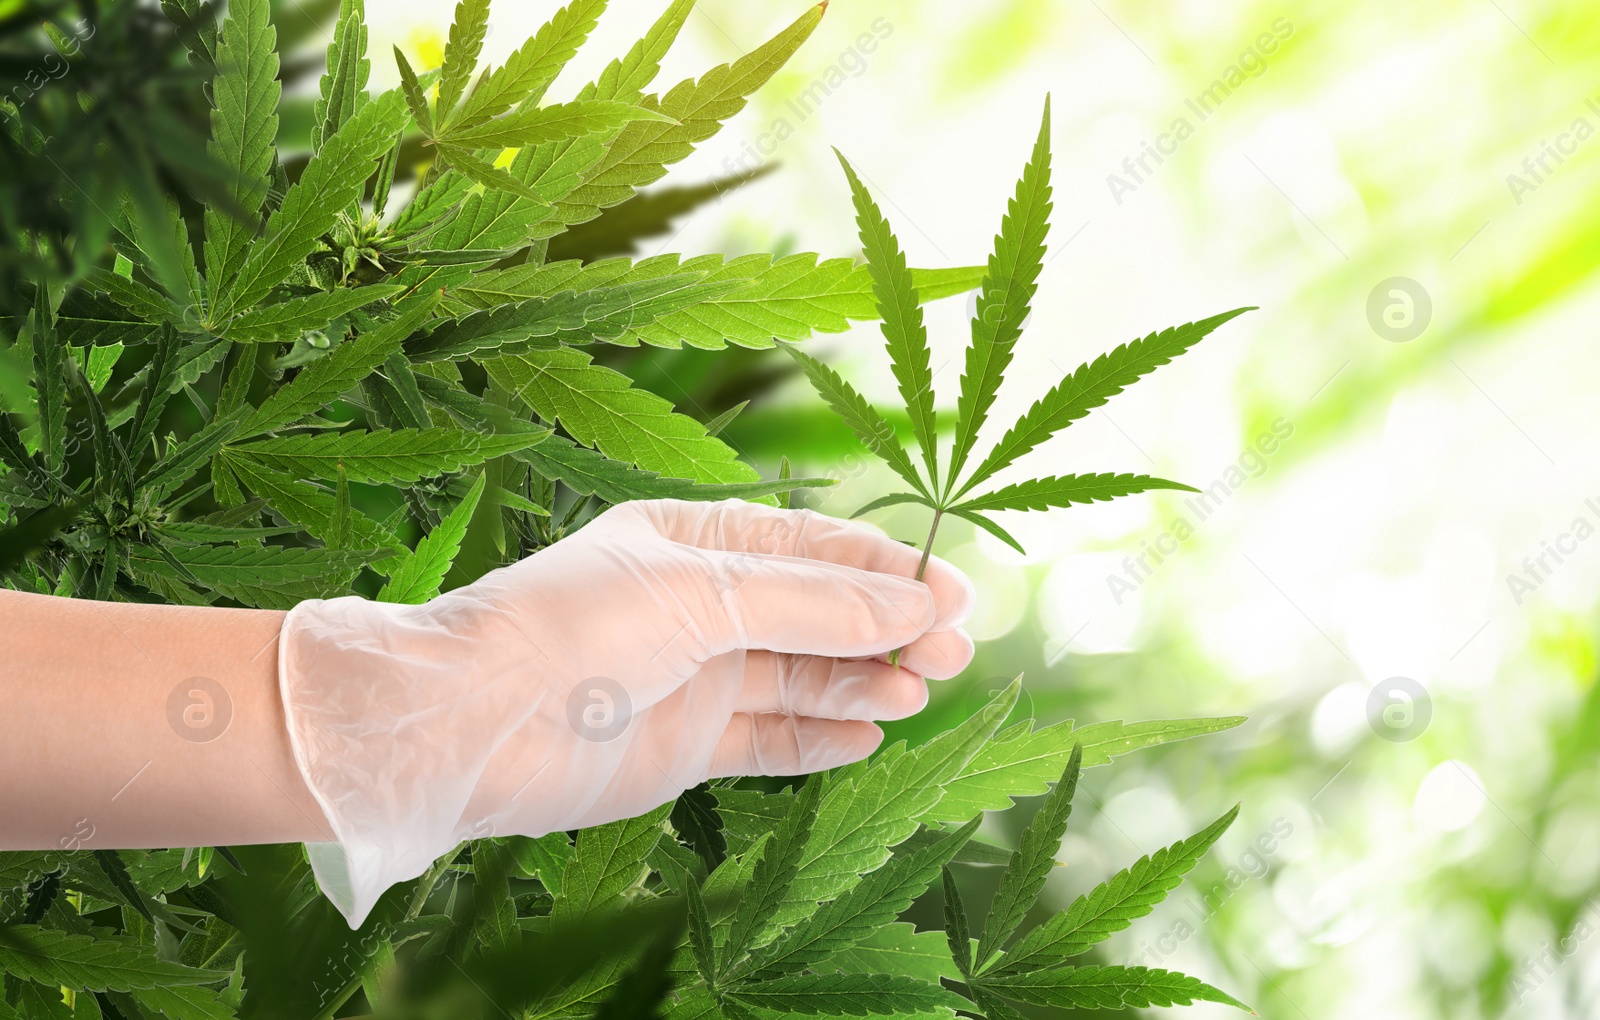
x: 1003, y: 307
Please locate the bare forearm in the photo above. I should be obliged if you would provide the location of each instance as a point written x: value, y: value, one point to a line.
x: 142, y: 726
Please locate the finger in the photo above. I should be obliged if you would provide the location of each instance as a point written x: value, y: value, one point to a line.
x: 829, y: 688
x: 769, y: 744
x: 809, y: 607
x: 938, y: 654
x: 736, y: 526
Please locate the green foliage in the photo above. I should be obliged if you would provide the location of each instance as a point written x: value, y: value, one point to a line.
x: 344, y: 84
x: 467, y: 33
x: 53, y: 957
x: 958, y: 934
x: 337, y: 391
x: 1003, y: 306
x: 1108, y: 988
x: 774, y: 871
x: 733, y: 941
x: 848, y: 995
x: 1030, y: 864
x: 398, y: 457
x: 600, y: 408
x: 903, y: 328
x: 1022, y: 761
x: 285, y: 321
x: 1113, y: 905
x: 100, y: 110
x: 417, y: 578
x: 851, y: 918
x: 243, y: 127
x: 530, y: 70
x: 751, y: 300
x: 333, y: 179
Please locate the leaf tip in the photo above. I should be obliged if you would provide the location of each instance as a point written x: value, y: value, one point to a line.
x: 996, y: 711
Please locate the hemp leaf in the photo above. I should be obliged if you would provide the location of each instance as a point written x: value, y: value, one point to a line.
x: 1004, y: 302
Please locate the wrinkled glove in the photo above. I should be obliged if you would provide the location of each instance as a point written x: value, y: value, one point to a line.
x: 665, y: 644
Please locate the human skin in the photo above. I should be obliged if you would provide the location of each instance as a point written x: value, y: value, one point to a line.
x: 103, y: 737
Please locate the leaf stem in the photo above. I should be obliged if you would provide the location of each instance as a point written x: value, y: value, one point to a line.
x: 340, y: 999
x: 922, y: 568
x: 430, y: 878
x: 927, y: 547
x: 419, y: 899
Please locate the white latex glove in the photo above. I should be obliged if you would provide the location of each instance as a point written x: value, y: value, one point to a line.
x: 665, y: 644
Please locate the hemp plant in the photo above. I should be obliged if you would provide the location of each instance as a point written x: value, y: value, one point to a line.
x: 1004, y: 304
x: 320, y: 382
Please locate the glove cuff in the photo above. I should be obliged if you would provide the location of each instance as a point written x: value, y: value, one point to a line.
x: 360, y: 681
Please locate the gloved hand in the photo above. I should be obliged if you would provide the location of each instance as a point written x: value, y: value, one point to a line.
x: 666, y: 643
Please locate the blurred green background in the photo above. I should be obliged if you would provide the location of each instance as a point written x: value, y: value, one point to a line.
x: 1397, y: 585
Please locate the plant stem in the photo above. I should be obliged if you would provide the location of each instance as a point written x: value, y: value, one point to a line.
x: 922, y: 568
x: 419, y: 899
x: 927, y: 547
x: 340, y: 999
